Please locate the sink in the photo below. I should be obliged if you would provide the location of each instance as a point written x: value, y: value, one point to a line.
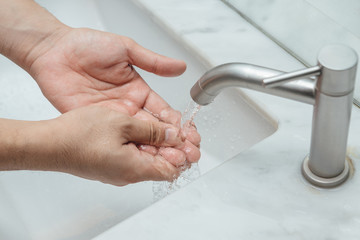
x: 48, y: 205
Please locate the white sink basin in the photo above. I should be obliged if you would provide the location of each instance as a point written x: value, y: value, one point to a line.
x: 47, y: 205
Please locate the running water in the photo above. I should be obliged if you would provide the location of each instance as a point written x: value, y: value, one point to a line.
x: 188, y: 174
x: 189, y: 114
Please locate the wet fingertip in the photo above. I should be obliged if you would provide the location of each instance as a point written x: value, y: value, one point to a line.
x: 174, y: 156
x: 183, y: 135
x: 194, y: 137
x: 187, y: 150
x: 192, y: 153
x: 197, y: 157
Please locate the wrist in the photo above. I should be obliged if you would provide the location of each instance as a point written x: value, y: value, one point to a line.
x: 26, y: 145
x: 27, y: 31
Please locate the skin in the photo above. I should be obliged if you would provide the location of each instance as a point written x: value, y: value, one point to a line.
x: 83, y: 67
x: 100, y: 148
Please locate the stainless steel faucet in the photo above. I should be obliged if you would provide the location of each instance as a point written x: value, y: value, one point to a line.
x: 331, y: 93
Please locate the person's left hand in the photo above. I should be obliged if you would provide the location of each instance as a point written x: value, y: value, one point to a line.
x: 78, y: 67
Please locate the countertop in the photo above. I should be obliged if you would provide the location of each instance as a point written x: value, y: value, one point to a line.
x: 260, y: 193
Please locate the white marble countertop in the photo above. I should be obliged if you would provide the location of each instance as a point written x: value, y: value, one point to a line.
x: 260, y: 193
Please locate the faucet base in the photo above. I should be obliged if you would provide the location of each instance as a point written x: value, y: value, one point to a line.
x: 324, y: 182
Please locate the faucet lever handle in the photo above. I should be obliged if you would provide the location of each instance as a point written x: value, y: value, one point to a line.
x: 290, y: 76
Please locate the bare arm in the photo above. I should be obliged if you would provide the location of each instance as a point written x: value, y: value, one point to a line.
x: 91, y: 142
x: 24, y: 26
x: 76, y: 68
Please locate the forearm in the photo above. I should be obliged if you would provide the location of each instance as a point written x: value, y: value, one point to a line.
x: 26, y: 145
x: 24, y: 26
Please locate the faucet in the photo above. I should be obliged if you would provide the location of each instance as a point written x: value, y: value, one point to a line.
x: 328, y: 86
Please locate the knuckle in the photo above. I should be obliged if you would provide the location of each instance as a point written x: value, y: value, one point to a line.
x: 153, y: 135
x: 129, y: 42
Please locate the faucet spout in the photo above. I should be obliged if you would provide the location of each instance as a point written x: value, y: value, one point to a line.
x: 331, y: 94
x: 251, y: 77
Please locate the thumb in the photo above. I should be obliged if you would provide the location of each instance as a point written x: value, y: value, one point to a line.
x: 152, y: 62
x: 152, y: 133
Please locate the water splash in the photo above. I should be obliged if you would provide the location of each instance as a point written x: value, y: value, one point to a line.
x: 189, y: 172
x: 162, y: 189
x: 189, y: 114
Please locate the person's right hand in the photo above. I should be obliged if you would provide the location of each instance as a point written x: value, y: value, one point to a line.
x: 97, y: 143
x: 102, y: 145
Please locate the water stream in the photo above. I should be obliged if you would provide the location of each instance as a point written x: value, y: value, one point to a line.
x: 190, y: 172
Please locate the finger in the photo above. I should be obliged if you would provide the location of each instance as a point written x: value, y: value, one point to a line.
x: 158, y: 107
x: 190, y: 132
x: 153, y: 62
x: 149, y: 149
x: 174, y: 156
x: 156, y: 168
x: 147, y: 116
x: 192, y: 153
x: 151, y: 133
x: 146, y: 167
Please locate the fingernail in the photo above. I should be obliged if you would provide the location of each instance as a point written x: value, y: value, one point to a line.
x: 171, y: 136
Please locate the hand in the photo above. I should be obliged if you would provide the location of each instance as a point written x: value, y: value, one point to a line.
x: 92, y: 142
x: 79, y: 67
